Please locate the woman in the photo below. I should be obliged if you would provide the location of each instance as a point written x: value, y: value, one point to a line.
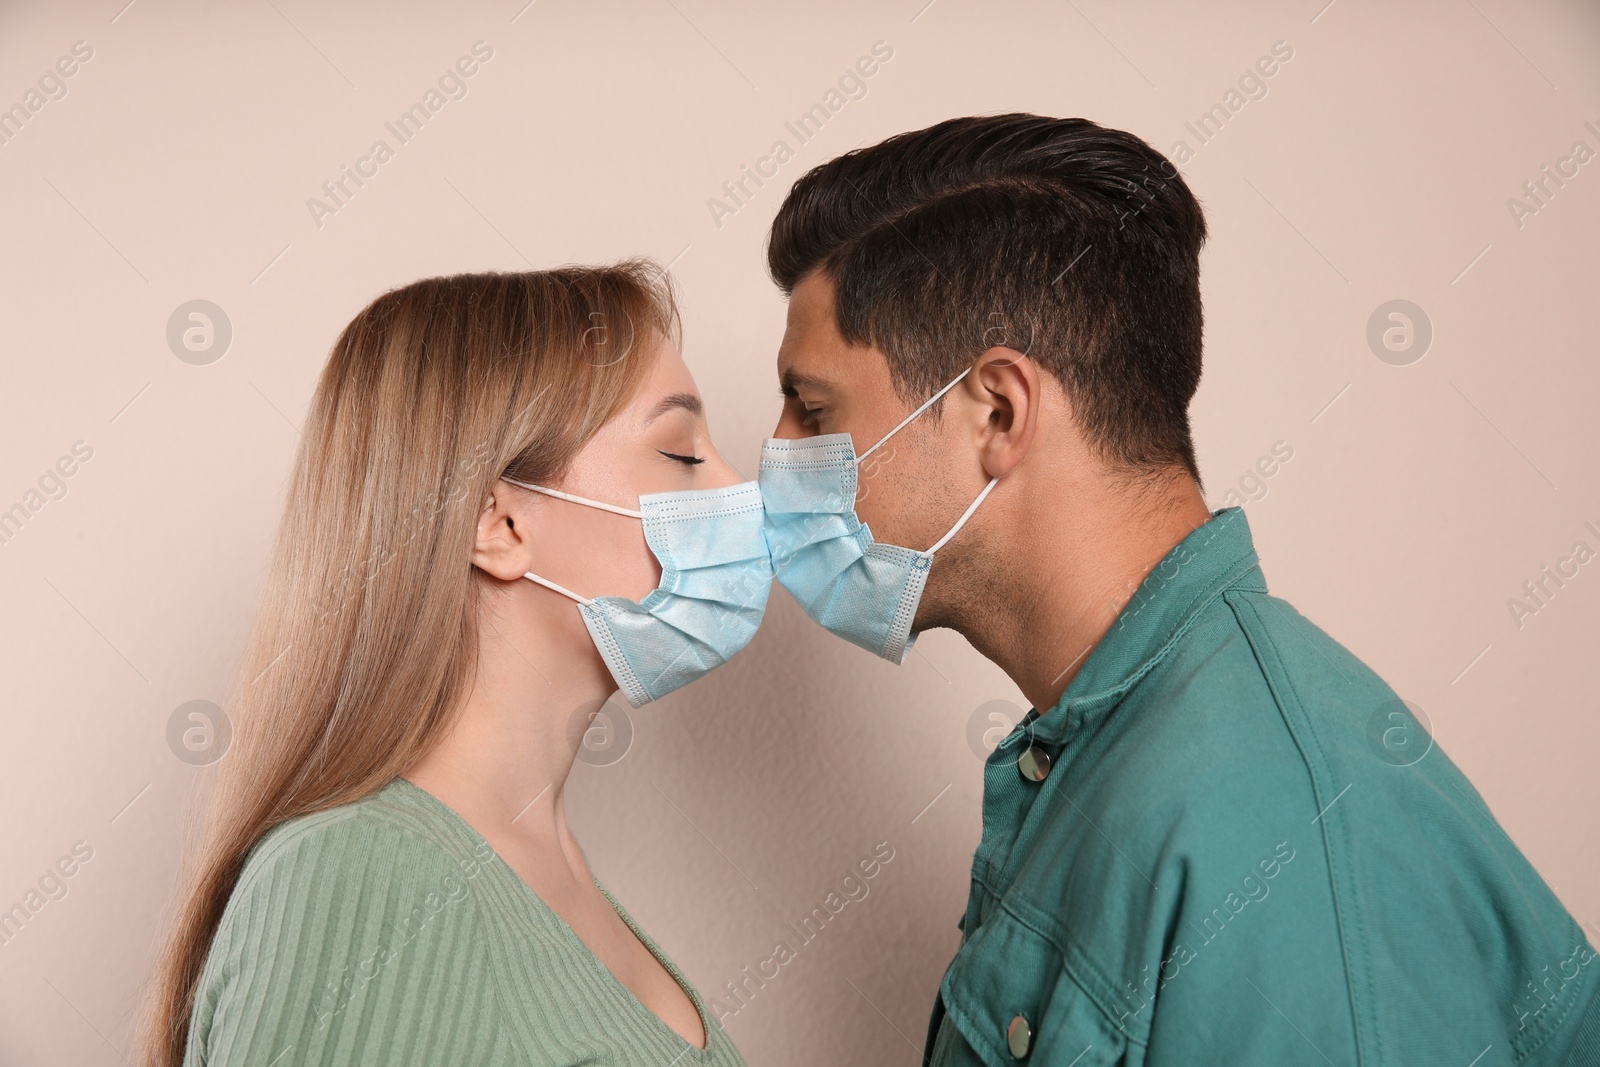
x: 388, y: 876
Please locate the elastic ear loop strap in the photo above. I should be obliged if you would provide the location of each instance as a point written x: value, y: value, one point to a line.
x: 559, y: 495
x: 962, y: 521
x: 965, y: 515
x: 552, y: 586
x: 903, y: 422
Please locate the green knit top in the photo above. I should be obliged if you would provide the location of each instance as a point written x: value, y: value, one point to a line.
x: 387, y: 931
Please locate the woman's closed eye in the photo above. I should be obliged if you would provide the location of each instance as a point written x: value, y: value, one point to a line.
x: 688, y: 461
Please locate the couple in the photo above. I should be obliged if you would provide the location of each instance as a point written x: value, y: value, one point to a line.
x: 1217, y: 837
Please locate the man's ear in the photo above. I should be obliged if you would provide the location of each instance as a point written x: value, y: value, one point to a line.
x: 501, y: 547
x: 1006, y: 385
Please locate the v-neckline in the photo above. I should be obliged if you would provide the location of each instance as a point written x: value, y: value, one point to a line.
x: 695, y: 1052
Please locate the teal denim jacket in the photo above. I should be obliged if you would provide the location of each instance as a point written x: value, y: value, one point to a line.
x: 1246, y: 850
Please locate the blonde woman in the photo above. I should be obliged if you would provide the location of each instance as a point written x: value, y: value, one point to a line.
x: 387, y: 875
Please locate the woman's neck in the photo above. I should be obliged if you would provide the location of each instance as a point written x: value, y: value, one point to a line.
x: 504, y: 764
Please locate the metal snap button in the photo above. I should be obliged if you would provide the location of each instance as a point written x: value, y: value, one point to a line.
x: 1034, y: 763
x: 1019, y: 1037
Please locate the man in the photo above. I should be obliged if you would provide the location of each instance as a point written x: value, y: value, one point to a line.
x: 1217, y: 837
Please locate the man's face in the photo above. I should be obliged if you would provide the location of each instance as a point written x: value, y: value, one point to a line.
x: 832, y: 386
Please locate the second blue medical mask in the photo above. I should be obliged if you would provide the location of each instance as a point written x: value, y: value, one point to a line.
x: 858, y: 589
x: 715, y: 577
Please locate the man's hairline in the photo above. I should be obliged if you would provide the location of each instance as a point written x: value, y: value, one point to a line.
x: 1134, y: 475
x: 897, y: 380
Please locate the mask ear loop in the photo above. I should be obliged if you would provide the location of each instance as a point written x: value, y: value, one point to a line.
x: 906, y: 421
x: 554, y: 588
x: 962, y: 521
x: 965, y: 515
x: 558, y: 494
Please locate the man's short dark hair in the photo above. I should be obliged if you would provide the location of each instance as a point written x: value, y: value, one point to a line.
x: 1074, y: 243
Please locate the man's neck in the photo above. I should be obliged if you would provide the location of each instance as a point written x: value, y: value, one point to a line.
x: 1068, y: 567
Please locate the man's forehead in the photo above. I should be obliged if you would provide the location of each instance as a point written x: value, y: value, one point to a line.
x: 812, y: 297
x: 809, y: 361
x: 813, y: 353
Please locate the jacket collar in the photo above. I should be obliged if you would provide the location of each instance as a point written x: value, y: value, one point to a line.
x: 1216, y: 555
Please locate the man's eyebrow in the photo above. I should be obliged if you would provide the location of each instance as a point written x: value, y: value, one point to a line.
x: 792, y: 381
x: 676, y: 401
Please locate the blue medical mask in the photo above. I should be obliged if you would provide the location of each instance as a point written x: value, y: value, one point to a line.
x: 715, y: 576
x: 862, y: 591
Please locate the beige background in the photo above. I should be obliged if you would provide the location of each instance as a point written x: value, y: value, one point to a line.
x: 178, y: 166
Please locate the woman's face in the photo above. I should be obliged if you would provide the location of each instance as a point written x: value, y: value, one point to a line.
x: 657, y: 443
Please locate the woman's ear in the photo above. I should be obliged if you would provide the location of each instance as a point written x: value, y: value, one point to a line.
x: 1006, y: 385
x: 501, y: 547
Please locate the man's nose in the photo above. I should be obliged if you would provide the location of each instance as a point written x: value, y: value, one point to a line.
x: 791, y: 423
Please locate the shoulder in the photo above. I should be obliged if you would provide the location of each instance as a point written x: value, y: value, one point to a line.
x: 370, y: 845
x: 1196, y: 784
x: 331, y: 879
x: 1246, y: 703
x: 334, y: 919
x: 1203, y: 734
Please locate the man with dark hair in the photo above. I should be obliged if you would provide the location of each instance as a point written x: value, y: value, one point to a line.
x: 1217, y: 837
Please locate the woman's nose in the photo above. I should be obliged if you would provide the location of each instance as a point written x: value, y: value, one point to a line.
x: 718, y: 472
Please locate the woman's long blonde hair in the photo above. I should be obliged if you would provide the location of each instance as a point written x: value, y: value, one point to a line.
x: 368, y: 628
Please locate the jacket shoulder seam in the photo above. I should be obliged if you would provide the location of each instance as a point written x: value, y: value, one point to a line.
x: 1302, y: 730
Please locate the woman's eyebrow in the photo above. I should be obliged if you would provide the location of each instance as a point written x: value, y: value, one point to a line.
x: 676, y: 401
